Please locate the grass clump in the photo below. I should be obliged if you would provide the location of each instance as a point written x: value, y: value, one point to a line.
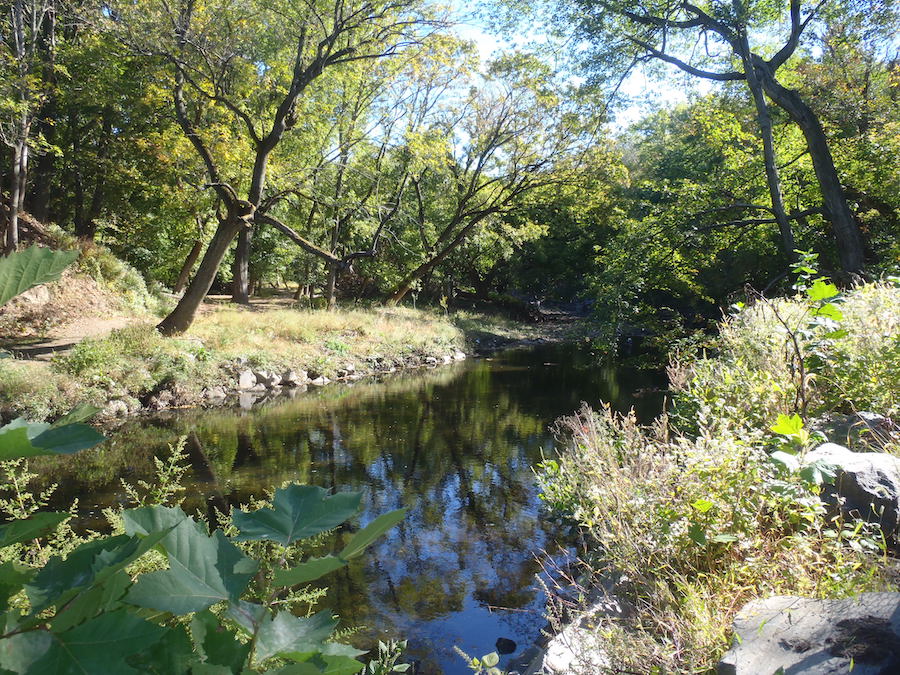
x: 698, y: 514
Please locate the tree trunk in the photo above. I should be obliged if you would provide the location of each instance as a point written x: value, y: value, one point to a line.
x: 180, y: 318
x: 846, y: 231
x: 188, y: 265
x: 426, y: 267
x: 240, y: 290
x: 15, y: 193
x: 331, y: 287
x: 764, y: 120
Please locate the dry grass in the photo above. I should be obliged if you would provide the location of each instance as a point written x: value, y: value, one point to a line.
x: 299, y: 337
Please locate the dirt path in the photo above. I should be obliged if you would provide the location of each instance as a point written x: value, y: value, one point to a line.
x: 62, y: 339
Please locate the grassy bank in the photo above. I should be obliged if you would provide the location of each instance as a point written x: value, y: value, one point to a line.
x: 695, y: 516
x: 135, y: 362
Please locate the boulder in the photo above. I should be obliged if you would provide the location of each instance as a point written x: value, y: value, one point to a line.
x: 246, y: 380
x: 266, y: 379
x: 320, y: 381
x: 459, y: 356
x: 116, y: 408
x: 866, y: 484
x: 800, y: 635
x: 294, y: 378
x: 38, y: 295
x: 505, y: 645
x: 859, y: 429
x: 214, y: 393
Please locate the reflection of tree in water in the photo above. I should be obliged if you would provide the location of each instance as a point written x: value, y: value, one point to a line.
x: 456, y: 446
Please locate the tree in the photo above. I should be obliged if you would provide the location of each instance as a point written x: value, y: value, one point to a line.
x: 239, y: 72
x: 27, y: 36
x: 490, y: 147
x: 665, y: 30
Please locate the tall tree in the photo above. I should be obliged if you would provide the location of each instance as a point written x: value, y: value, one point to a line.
x: 502, y: 140
x: 27, y: 43
x: 670, y: 30
x: 239, y: 72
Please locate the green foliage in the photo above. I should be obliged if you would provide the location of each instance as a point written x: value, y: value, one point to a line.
x: 21, y: 270
x: 98, y: 608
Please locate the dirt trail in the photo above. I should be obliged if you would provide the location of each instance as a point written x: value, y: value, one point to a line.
x: 63, y: 338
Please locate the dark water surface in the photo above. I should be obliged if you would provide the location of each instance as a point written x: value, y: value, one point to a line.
x: 456, y: 445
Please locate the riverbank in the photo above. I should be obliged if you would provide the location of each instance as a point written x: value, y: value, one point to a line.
x: 248, y: 350
x: 740, y: 493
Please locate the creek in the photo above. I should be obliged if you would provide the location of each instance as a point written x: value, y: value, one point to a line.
x: 455, y: 444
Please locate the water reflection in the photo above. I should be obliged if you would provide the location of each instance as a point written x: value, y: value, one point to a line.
x: 455, y: 445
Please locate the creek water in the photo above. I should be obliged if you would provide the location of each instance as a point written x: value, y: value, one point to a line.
x: 456, y: 445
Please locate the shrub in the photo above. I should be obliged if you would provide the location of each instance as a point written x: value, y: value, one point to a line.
x: 692, y: 527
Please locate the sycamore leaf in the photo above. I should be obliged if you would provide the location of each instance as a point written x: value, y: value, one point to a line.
x: 217, y: 645
x: 299, y: 512
x: 203, y: 569
x: 788, y: 425
x: 21, y: 270
x: 308, y: 571
x: 362, y: 539
x: 247, y: 615
x: 23, y: 439
x: 785, y: 460
x: 285, y: 633
x: 13, y: 576
x: 104, y: 597
x: 89, y: 564
x: 98, y: 646
x: 821, y: 290
x: 32, y: 527
x: 172, y: 654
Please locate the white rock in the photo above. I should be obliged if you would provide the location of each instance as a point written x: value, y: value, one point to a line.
x: 246, y: 380
x: 459, y: 356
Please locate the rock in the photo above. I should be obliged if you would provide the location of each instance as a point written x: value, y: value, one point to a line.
x: 430, y: 361
x: 866, y: 484
x: 320, y: 381
x: 266, y: 379
x: 39, y: 295
x: 246, y: 380
x: 246, y: 400
x: 447, y: 358
x: 214, y: 393
x: 859, y: 429
x: 505, y: 645
x: 459, y: 356
x: 293, y: 378
x: 116, y: 408
x: 313, y: 374
x: 575, y: 651
x: 800, y: 635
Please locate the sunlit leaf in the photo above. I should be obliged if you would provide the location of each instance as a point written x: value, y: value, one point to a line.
x: 298, y: 512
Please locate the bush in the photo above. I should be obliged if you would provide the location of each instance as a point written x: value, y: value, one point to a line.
x: 691, y: 528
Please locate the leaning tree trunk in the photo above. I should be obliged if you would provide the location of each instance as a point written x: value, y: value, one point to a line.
x: 186, y: 268
x: 773, y: 180
x: 846, y: 231
x: 180, y: 318
x: 331, y: 288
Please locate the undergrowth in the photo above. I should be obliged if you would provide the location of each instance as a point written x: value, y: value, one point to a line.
x: 708, y: 508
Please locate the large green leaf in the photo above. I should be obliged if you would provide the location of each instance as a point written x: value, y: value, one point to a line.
x: 36, y: 265
x: 13, y: 577
x: 285, y: 633
x: 173, y: 654
x: 90, y: 564
x: 310, y: 570
x: 32, y: 527
x: 103, y: 597
x: 371, y: 532
x: 23, y: 439
x: 299, y: 511
x: 247, y: 615
x: 203, y: 569
x: 217, y: 645
x: 98, y: 646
